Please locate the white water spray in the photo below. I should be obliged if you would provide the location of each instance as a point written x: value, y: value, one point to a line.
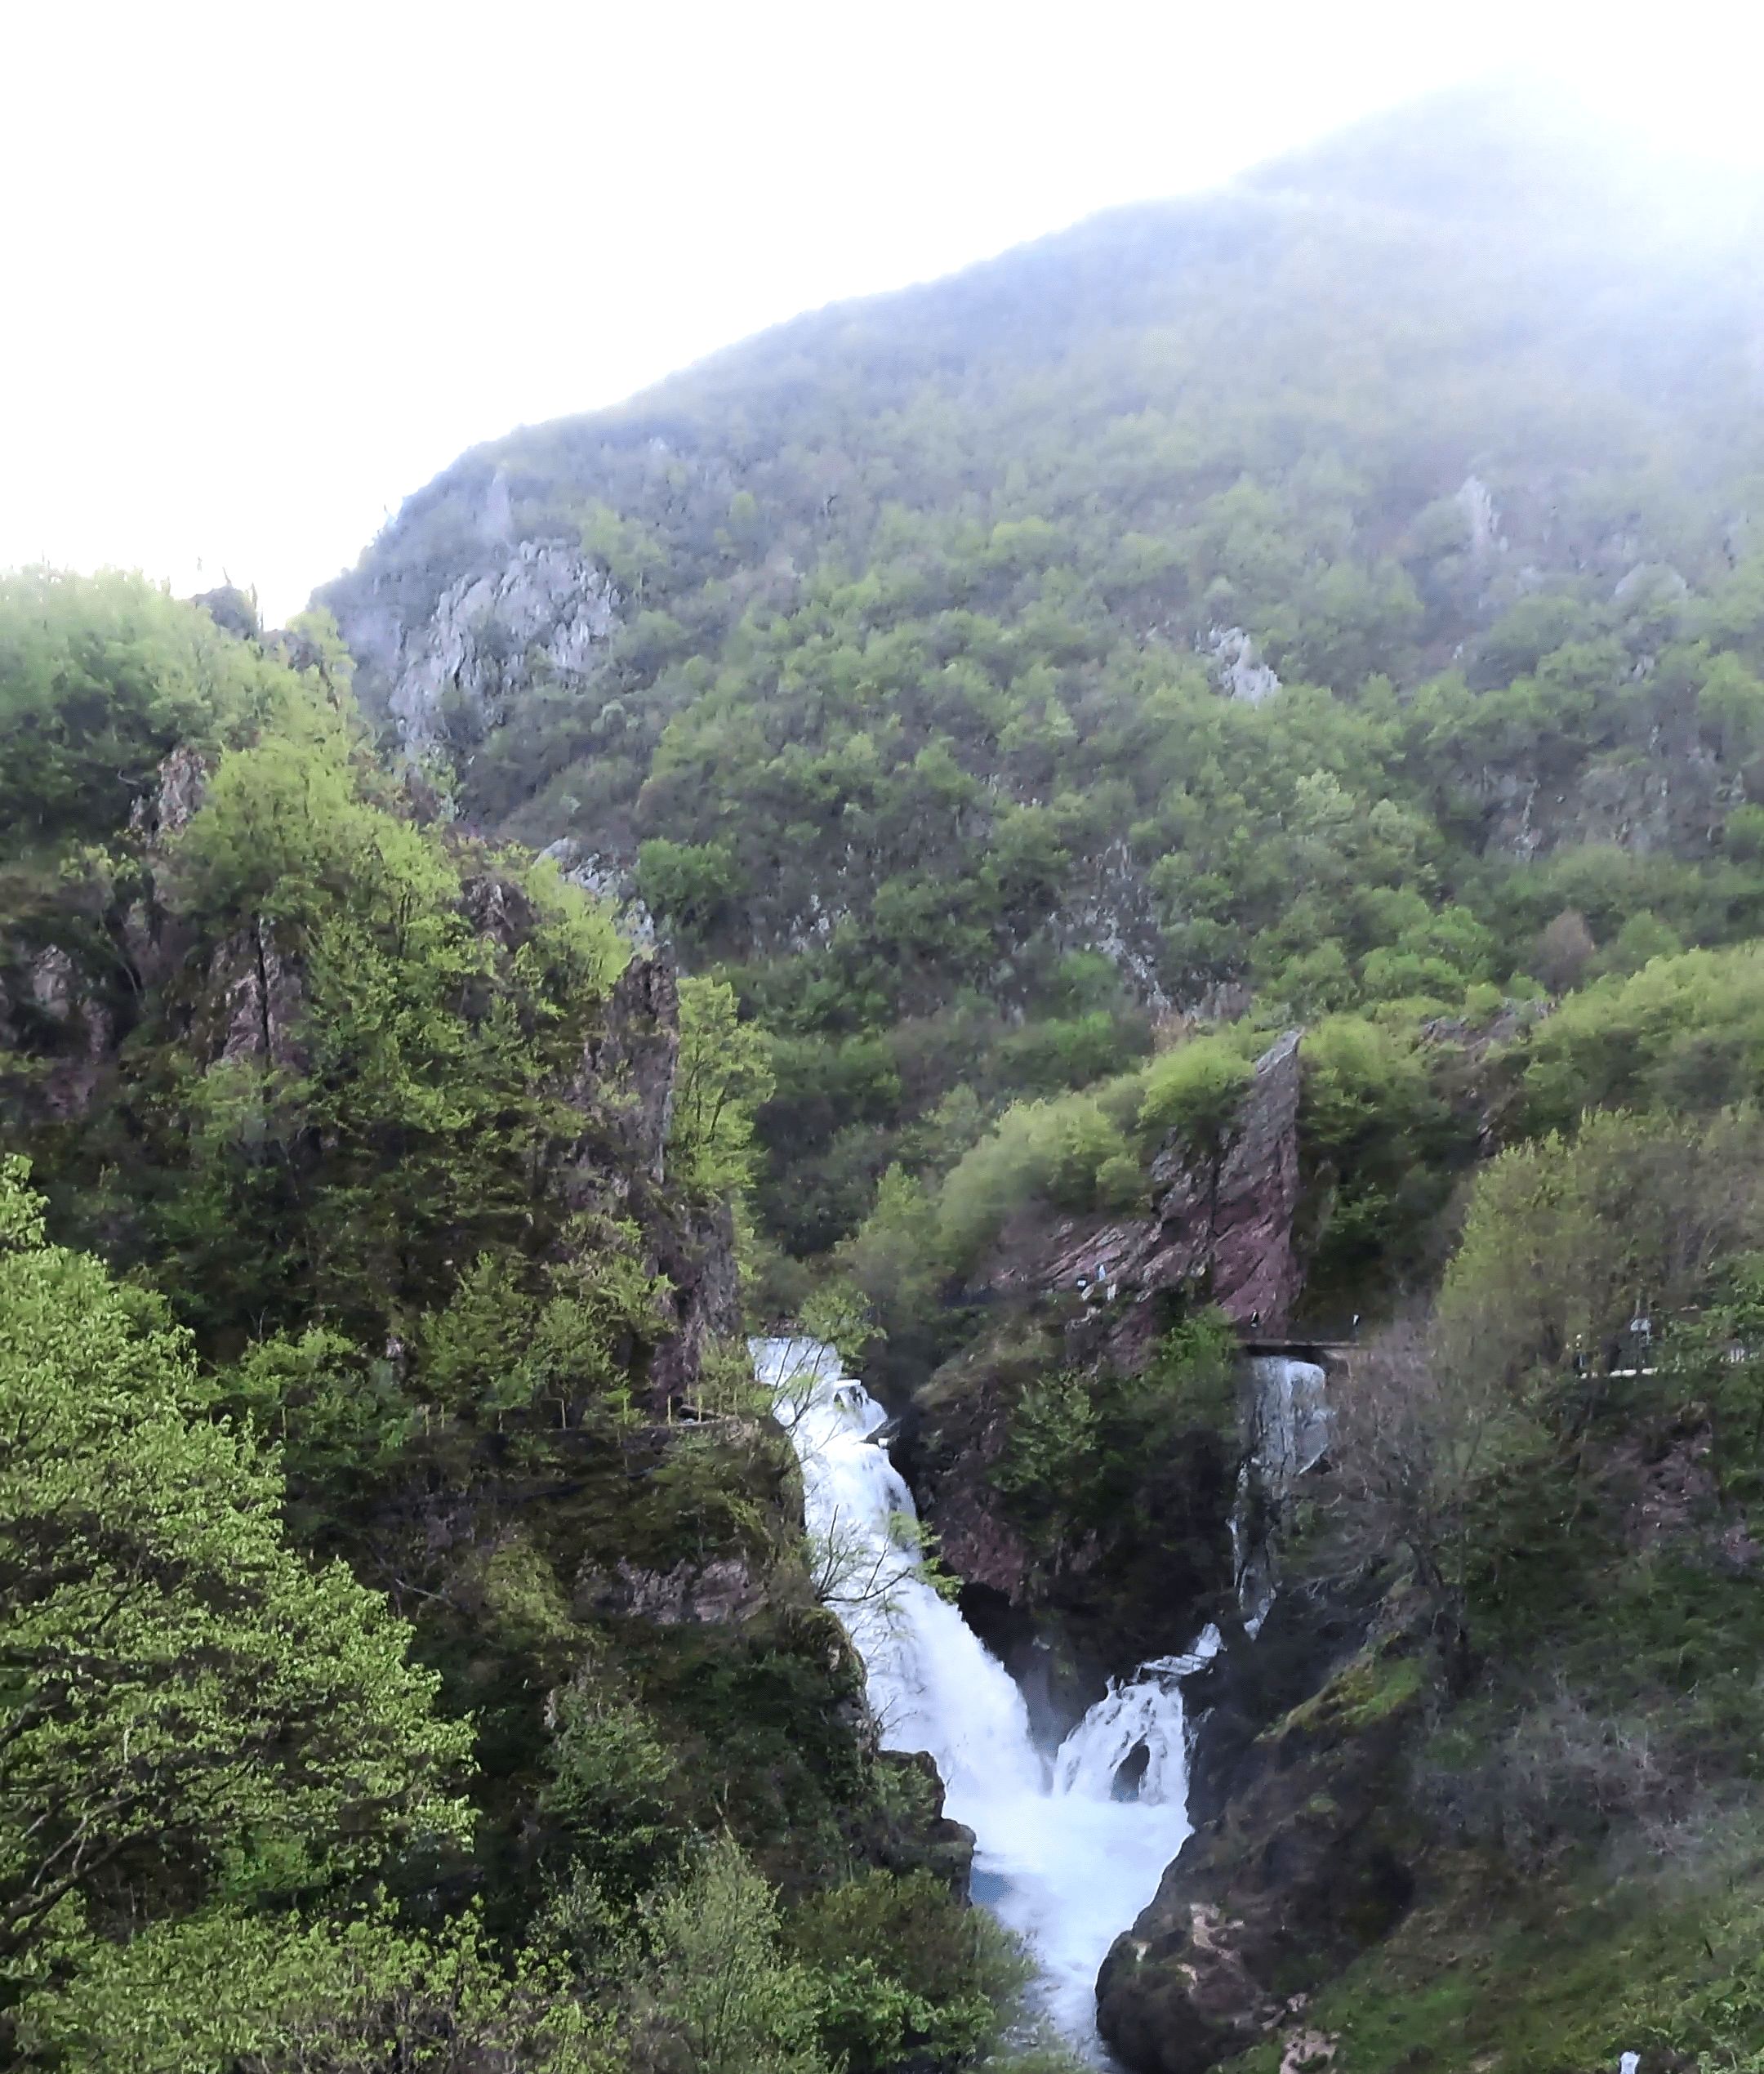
x: 1288, y: 1430
x: 1290, y: 1419
x: 1067, y: 1852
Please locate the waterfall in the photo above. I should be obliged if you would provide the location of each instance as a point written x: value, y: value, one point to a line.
x: 1290, y: 1420
x: 931, y: 1685
x: 1288, y: 1431
x: 1068, y: 1850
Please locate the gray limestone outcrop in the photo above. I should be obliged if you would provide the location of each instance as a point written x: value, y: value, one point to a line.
x: 722, y: 1590
x: 543, y: 610
x: 1238, y: 666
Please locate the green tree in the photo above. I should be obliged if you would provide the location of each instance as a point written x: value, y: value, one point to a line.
x: 276, y: 1995
x: 1050, y: 1462
x: 1686, y: 1034
x: 689, y: 885
x: 100, y: 678
x: 1071, y: 1152
x: 719, y: 1989
x: 187, y: 1708
x: 1194, y: 1095
x: 612, y: 1794
x: 423, y: 1053
x: 513, y: 1336
x: 1571, y: 1241
x: 1195, y: 1091
x: 906, y: 1967
x: 1377, y: 1145
x: 724, y: 1073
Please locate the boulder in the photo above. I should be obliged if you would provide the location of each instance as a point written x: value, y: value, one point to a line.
x: 1306, y: 1864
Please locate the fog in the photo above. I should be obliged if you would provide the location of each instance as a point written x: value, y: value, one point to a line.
x: 272, y: 267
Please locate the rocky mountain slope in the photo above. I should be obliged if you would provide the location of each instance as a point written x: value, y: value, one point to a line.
x: 1304, y: 594
x: 1332, y: 605
x: 389, y: 1188
x: 1199, y: 782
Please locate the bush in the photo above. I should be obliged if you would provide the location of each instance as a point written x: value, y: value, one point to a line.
x: 906, y: 1967
x: 689, y: 885
x: 1194, y: 1094
x: 1069, y: 1154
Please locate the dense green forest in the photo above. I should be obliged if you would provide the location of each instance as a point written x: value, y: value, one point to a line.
x: 832, y: 842
x: 383, y: 1357
x: 1338, y: 604
x: 1335, y: 594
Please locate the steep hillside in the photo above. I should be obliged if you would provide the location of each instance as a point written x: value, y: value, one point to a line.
x: 1305, y: 592
x: 412, y: 1654
x: 1224, y: 752
x: 1190, y: 797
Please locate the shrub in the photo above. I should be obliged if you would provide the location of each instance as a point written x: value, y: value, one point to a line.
x: 1195, y: 1093
x: 1068, y: 1152
x: 906, y: 1967
x: 690, y: 884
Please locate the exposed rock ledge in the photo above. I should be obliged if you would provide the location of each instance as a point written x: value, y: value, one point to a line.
x: 546, y: 609
x: 1231, y: 1244
x: 1233, y: 1241
x: 1307, y: 1865
x: 711, y: 1593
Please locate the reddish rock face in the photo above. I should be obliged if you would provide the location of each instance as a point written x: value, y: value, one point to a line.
x: 980, y: 1547
x: 1227, y: 1237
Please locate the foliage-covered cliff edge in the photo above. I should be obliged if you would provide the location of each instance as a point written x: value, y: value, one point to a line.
x: 1331, y: 606
x: 411, y: 1645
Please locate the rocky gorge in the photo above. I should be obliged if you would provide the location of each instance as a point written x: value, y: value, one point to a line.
x: 958, y: 1131
x: 1297, y: 1726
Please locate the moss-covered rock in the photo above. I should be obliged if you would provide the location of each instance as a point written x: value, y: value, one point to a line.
x: 1310, y: 1860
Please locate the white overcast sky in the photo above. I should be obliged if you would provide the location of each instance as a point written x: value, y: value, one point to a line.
x: 270, y: 264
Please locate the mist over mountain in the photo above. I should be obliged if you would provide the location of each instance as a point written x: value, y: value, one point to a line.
x: 1056, y: 638
x: 1156, y: 847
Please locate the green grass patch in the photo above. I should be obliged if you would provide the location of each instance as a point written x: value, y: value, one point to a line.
x: 1558, y: 1979
x: 1370, y: 1689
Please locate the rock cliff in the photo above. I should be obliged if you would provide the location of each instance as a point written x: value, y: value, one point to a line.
x: 522, y: 614
x: 1226, y: 1236
x: 1305, y: 1860
x: 1096, y: 1295
x: 68, y: 1006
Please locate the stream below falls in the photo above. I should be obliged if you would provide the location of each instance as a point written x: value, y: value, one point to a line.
x: 1066, y: 1851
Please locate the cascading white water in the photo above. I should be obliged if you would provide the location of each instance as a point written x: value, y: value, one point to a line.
x: 1067, y: 1851
x: 931, y: 1685
x: 1288, y: 1430
x: 1290, y: 1420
